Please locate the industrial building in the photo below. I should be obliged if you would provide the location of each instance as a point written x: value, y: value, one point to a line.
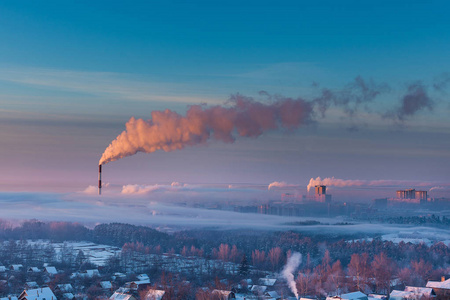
x: 320, y: 195
x: 412, y: 196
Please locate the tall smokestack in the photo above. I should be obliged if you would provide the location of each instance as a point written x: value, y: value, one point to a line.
x: 99, y: 179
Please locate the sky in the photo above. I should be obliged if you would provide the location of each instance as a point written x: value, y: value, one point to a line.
x: 72, y: 73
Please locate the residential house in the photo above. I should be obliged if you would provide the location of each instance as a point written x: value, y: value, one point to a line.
x: 440, y: 288
x: 64, y: 288
x: 50, y: 271
x: 16, y: 268
x: 272, y: 295
x: 154, y: 294
x: 37, y: 294
x: 121, y: 296
x: 33, y: 270
x: 350, y: 296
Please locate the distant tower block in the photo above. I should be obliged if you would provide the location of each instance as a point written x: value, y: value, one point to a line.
x: 406, y: 194
x: 422, y: 195
x: 321, y: 194
x: 321, y: 189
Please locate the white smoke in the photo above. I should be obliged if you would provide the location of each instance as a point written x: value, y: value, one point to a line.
x: 281, y: 184
x: 288, y: 271
x: 352, y: 182
x: 436, y: 188
x: 170, y: 131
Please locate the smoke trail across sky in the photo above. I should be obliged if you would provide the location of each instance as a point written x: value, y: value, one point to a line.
x: 245, y: 117
x: 168, y: 130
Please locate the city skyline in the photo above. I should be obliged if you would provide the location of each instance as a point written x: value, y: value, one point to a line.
x: 72, y: 75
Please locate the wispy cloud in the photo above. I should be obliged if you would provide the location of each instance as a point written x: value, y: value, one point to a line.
x: 114, y: 85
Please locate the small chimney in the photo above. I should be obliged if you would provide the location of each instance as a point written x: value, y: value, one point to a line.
x: 442, y: 278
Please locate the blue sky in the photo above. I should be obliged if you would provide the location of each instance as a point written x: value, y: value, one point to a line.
x: 73, y: 72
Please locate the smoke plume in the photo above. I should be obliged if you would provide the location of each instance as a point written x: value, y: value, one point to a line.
x: 288, y: 271
x: 282, y: 184
x: 169, y: 131
x: 331, y: 181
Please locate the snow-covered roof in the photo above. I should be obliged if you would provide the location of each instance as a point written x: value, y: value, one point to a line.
x: 143, y: 277
x: 38, y: 294
x: 138, y: 282
x: 395, y: 294
x: 66, y: 287
x: 354, y: 296
x: 92, y: 273
x: 121, y: 296
x: 267, y: 281
x: 51, y: 270
x: 154, y: 294
x: 2, y: 269
x: 33, y: 269
x: 68, y: 296
x: 16, y: 267
x: 439, y: 284
x: 9, y: 298
x: 419, y: 291
x: 272, y: 294
x: 259, y: 288
x: 105, y: 284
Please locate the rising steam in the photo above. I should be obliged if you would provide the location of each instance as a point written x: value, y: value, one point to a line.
x: 288, y: 271
x: 169, y: 131
x: 331, y: 181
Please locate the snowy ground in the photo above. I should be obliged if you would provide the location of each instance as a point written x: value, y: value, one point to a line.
x: 97, y: 254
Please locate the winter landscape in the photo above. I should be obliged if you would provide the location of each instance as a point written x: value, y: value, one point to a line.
x: 162, y: 150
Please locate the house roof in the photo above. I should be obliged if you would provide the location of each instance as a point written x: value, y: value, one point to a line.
x: 38, y: 294
x: 401, y: 294
x: 105, y: 284
x: 272, y: 294
x: 419, y: 290
x: 121, y: 296
x: 143, y: 277
x: 33, y: 269
x: 258, y: 288
x: 439, y: 284
x: 267, y: 281
x: 68, y: 296
x: 154, y: 294
x: 51, y: 270
x: 66, y: 287
x: 354, y: 296
x: 16, y: 267
x: 9, y: 298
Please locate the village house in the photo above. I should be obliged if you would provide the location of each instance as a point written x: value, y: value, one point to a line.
x: 154, y: 295
x: 33, y: 270
x: 64, y: 288
x: 16, y: 268
x: 440, y: 288
x: 37, y: 294
x: 50, y: 271
x: 350, y: 296
x: 121, y: 296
